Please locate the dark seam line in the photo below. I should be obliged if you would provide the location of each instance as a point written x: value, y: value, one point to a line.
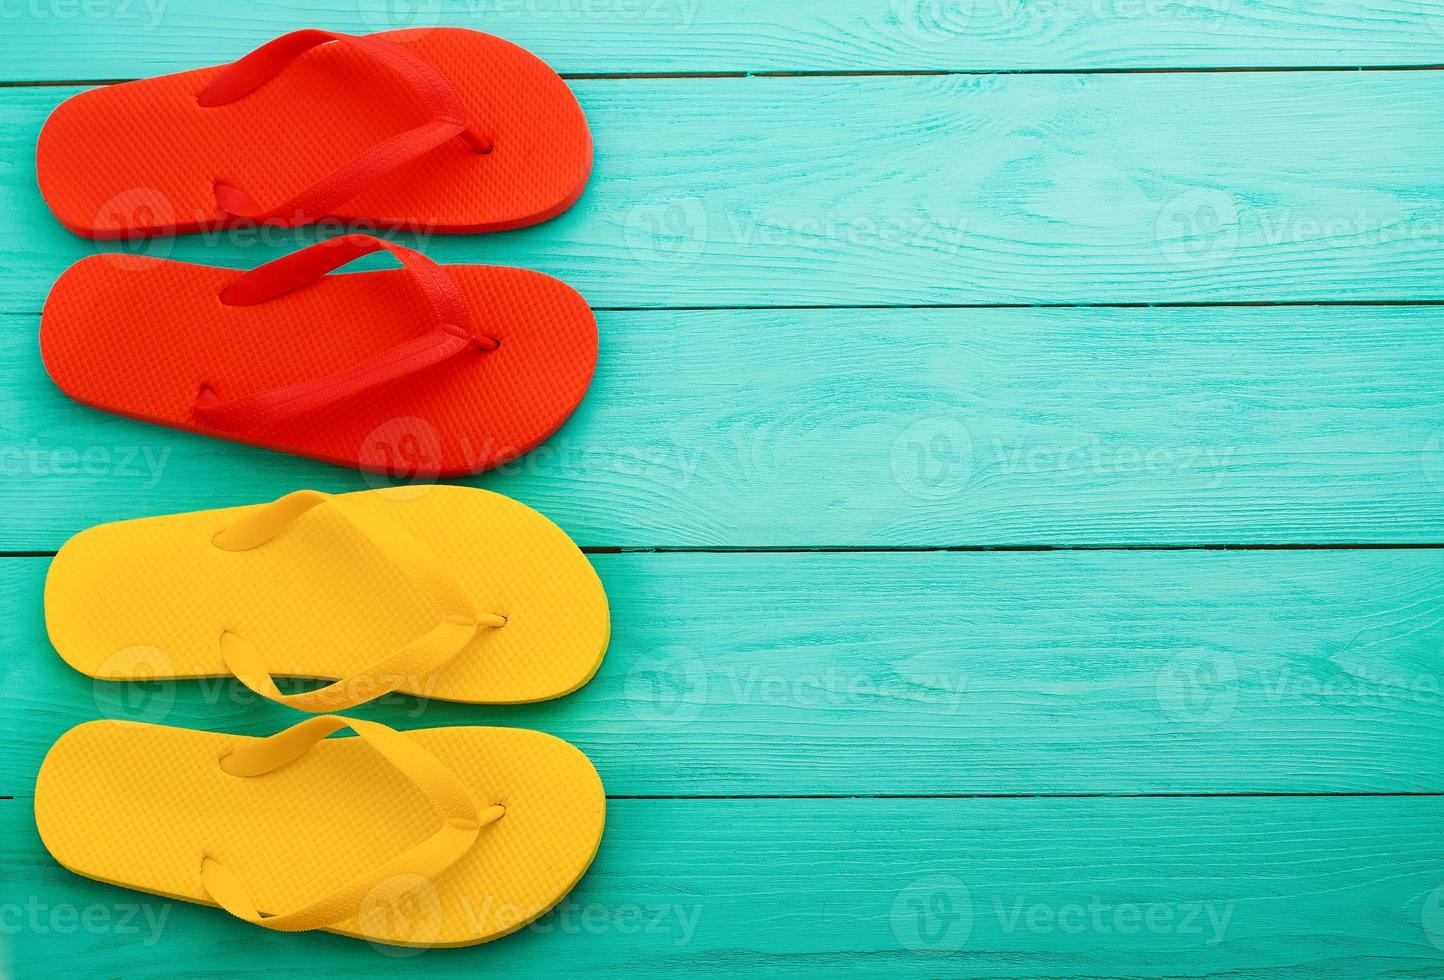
x: 844, y: 307
x: 50, y: 84
x: 1032, y: 796
x: 1184, y: 305
x: 960, y: 549
x: 1010, y: 796
x: 927, y: 549
x: 934, y: 72
x: 984, y: 72
x: 876, y: 73
x: 931, y: 549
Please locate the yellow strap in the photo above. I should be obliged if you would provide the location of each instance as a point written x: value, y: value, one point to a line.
x: 403, y: 668
x: 460, y: 821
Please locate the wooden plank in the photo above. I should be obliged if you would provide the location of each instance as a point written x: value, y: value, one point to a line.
x: 63, y: 41
x: 934, y: 673
x: 879, y: 429
x: 886, y: 191
x: 1239, y: 888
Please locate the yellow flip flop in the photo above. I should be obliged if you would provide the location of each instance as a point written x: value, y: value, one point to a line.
x: 440, y: 837
x: 443, y: 592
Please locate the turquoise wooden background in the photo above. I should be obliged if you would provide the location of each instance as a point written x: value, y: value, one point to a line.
x: 1015, y: 461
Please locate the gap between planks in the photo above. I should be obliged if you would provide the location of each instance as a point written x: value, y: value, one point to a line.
x: 849, y: 307
x: 703, y: 797
x: 871, y: 73
x: 929, y: 549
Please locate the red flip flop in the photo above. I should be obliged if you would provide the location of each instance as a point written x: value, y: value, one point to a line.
x: 436, y: 129
x: 424, y: 370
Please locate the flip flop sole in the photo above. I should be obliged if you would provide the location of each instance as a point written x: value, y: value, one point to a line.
x: 149, y: 599
x: 145, y: 157
x: 139, y: 336
x: 140, y: 806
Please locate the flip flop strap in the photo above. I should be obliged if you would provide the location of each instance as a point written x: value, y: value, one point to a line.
x: 452, y: 331
x: 458, y: 625
x: 447, y: 120
x: 461, y: 822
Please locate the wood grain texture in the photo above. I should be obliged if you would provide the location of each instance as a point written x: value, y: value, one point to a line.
x: 878, y: 428
x: 1245, y: 889
x: 925, y: 674
x: 59, y: 41
x: 887, y: 191
x: 1021, y: 700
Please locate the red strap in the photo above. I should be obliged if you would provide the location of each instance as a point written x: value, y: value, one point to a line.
x: 447, y: 120
x: 452, y: 331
